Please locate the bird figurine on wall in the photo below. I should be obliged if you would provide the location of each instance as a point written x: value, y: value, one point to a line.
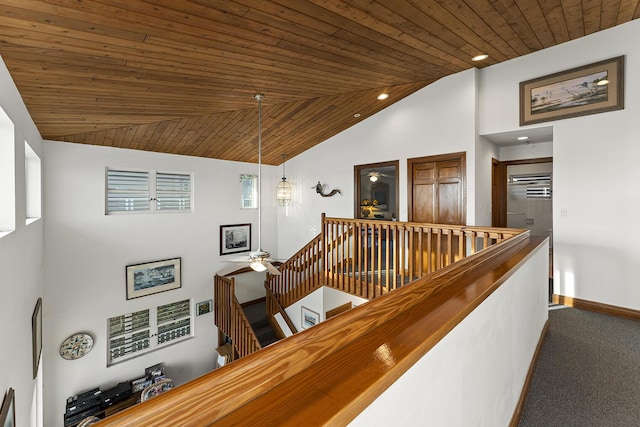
x: 319, y: 188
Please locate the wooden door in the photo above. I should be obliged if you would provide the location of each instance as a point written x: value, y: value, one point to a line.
x: 498, y: 193
x: 437, y: 189
x: 436, y: 196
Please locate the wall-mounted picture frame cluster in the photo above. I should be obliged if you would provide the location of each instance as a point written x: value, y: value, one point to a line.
x: 235, y: 238
x: 8, y: 410
x: 153, y: 277
x: 36, y: 336
x: 590, y: 89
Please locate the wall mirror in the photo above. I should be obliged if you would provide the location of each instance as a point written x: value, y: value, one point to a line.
x: 376, y: 190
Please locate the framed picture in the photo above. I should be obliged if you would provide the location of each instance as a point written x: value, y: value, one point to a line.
x: 309, y: 318
x: 235, y: 238
x: 590, y: 89
x: 153, y: 277
x: 36, y: 335
x: 204, y: 307
x: 8, y: 410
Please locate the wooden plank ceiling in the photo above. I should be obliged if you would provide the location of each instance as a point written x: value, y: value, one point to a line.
x: 179, y: 76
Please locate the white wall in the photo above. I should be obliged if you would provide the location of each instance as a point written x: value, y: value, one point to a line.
x: 321, y: 301
x: 526, y: 151
x: 480, y: 366
x: 21, y: 263
x: 594, y: 168
x: 250, y: 286
x: 86, y: 253
x: 485, y: 153
x: 438, y: 119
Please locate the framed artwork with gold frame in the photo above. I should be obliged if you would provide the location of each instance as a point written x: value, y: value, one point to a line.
x: 589, y: 89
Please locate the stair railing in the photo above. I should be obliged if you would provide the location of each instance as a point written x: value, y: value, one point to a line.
x: 371, y: 258
x: 299, y: 275
x: 231, y: 320
x: 273, y: 308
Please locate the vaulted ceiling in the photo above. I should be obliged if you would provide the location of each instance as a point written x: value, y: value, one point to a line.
x: 179, y: 76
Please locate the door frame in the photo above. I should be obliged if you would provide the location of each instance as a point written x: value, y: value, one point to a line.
x: 499, y: 186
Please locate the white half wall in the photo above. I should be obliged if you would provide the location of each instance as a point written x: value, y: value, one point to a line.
x: 86, y: 253
x: 595, y: 172
x: 475, y: 374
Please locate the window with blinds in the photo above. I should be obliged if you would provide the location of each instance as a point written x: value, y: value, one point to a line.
x: 133, y: 334
x: 147, y: 191
x: 538, y: 186
x: 173, y: 191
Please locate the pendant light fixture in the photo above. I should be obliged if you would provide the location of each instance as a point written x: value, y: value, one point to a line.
x: 283, y: 192
x: 259, y: 260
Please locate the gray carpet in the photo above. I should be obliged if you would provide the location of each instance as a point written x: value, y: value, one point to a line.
x: 588, y: 373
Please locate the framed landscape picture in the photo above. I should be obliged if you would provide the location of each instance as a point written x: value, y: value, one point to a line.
x: 153, y: 277
x: 36, y: 335
x: 590, y: 89
x: 235, y: 238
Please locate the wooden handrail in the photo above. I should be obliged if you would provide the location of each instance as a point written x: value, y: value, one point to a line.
x: 331, y: 372
x: 231, y: 320
x: 365, y: 258
x: 223, y: 291
x: 371, y: 258
x: 274, y: 307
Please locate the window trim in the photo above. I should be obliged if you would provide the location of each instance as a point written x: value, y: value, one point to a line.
x: 254, y: 195
x: 155, y: 340
x: 151, y: 192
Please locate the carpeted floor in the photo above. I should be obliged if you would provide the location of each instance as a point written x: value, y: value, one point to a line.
x: 588, y: 373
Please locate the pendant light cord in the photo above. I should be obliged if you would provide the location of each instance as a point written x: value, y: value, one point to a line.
x: 259, y: 97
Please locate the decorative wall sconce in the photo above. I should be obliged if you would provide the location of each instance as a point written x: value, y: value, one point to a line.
x: 283, y: 191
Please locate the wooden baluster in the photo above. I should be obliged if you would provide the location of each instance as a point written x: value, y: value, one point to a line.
x: 449, y: 247
x: 359, y: 261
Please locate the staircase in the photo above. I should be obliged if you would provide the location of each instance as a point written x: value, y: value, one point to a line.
x: 256, y: 314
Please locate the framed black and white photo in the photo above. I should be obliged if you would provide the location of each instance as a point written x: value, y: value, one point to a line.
x: 309, y: 318
x: 235, y: 238
x: 153, y: 277
x: 8, y: 410
x: 36, y: 335
x: 204, y: 307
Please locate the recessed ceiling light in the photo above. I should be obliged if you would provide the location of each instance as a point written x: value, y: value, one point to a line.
x: 523, y: 138
x: 356, y: 115
x: 480, y: 57
x: 383, y: 96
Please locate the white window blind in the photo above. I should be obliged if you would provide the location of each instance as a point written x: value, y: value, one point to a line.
x: 133, y: 334
x: 148, y: 191
x: 127, y: 191
x: 173, y: 191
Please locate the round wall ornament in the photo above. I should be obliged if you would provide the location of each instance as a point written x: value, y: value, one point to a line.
x: 76, y: 346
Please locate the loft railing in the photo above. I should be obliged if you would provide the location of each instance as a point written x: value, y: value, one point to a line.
x: 231, y: 320
x: 372, y: 258
x: 364, y: 258
x: 332, y: 371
